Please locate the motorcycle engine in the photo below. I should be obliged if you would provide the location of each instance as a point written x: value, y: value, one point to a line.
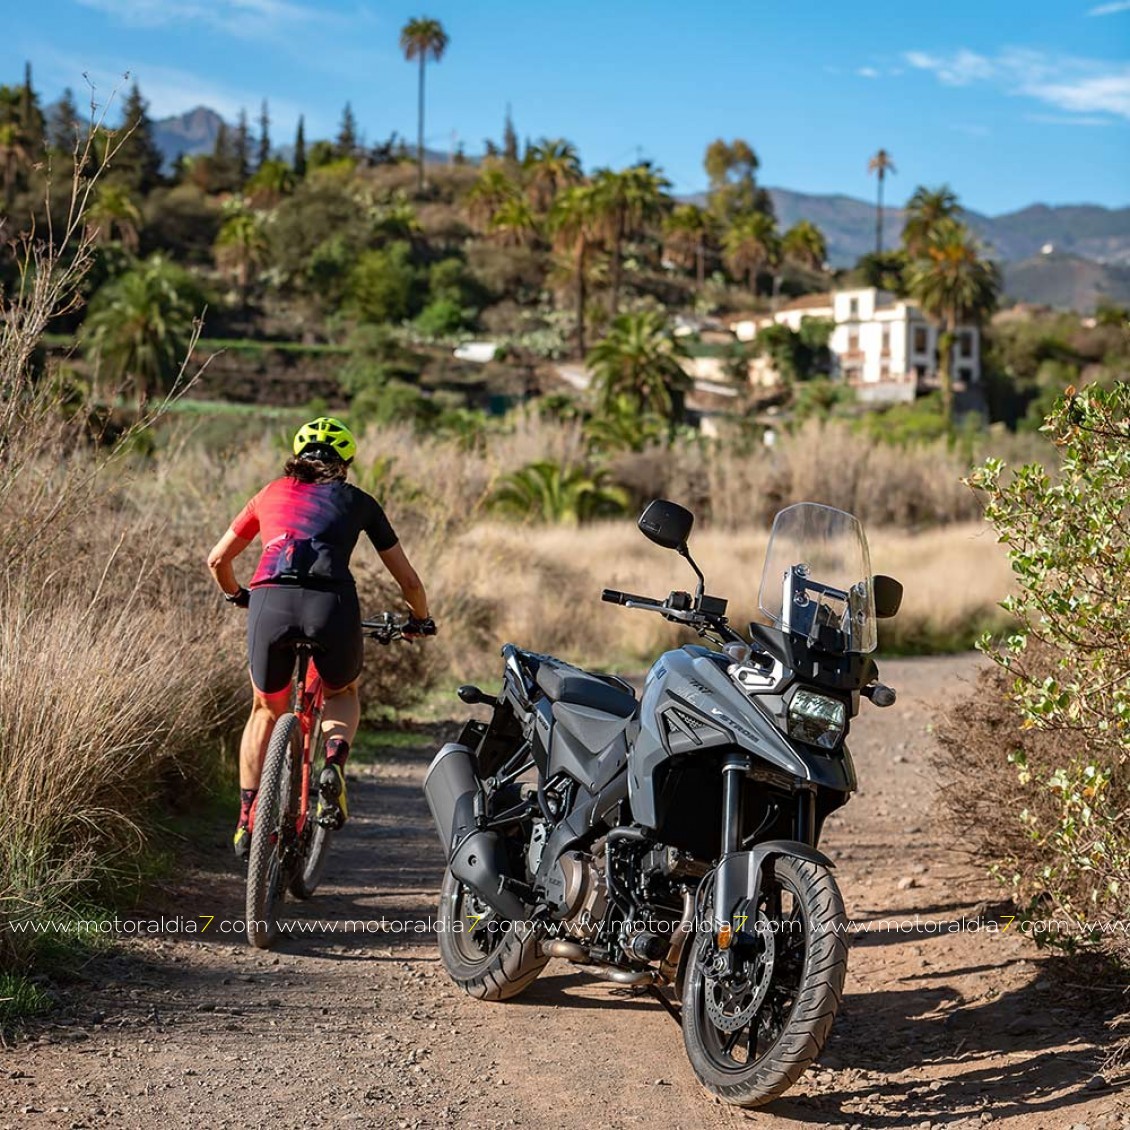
x: 577, y: 886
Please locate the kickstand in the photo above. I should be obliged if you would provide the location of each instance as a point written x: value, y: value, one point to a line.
x: 674, y: 1011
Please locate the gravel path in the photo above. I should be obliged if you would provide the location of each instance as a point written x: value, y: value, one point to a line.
x: 364, y: 1029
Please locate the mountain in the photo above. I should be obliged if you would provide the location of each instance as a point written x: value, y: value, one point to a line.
x: 190, y: 133
x: 1066, y: 282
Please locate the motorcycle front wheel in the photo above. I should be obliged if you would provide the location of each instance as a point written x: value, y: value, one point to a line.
x: 752, y: 1031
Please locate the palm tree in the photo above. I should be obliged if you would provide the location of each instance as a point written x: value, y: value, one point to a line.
x: 419, y: 39
x: 547, y: 492
x: 641, y: 359
x: 880, y: 165
x: 620, y: 426
x: 750, y: 244
x: 804, y: 243
x: 140, y: 324
x: 626, y: 201
x: 573, y: 222
x: 685, y: 232
x: 241, y: 248
x: 552, y: 165
x: 492, y: 189
x: 113, y: 208
x: 953, y: 284
x: 514, y: 224
x: 925, y: 210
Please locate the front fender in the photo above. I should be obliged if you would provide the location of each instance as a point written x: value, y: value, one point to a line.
x: 737, y: 877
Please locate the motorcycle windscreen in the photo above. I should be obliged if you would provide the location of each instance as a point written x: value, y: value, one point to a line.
x: 816, y: 583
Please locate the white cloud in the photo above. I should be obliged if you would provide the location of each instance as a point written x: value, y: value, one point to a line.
x: 244, y: 18
x: 1080, y: 86
x: 1110, y: 9
x: 867, y: 72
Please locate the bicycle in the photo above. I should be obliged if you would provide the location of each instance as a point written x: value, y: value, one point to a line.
x: 292, y: 854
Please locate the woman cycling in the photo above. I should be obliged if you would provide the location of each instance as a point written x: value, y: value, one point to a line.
x: 309, y: 522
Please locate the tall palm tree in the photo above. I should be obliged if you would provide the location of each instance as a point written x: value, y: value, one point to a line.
x: 749, y: 245
x: 804, y: 243
x: 925, y: 210
x: 685, y: 232
x: 547, y: 492
x: 492, y: 189
x: 952, y: 284
x: 627, y: 201
x: 241, y: 248
x: 113, y: 209
x: 140, y: 324
x: 881, y: 164
x: 420, y: 39
x: 552, y: 165
x: 641, y: 359
x: 574, y: 224
x: 514, y: 223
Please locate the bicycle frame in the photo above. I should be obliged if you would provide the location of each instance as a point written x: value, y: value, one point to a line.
x: 309, y: 701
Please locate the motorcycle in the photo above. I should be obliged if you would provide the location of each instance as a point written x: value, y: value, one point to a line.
x: 670, y: 841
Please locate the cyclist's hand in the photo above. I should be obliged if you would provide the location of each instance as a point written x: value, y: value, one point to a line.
x: 240, y: 599
x: 414, y: 629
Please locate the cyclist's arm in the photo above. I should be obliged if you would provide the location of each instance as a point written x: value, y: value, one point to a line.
x: 397, y: 563
x: 226, y: 550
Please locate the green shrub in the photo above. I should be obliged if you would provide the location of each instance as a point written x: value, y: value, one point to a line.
x: 384, y: 286
x: 441, y: 318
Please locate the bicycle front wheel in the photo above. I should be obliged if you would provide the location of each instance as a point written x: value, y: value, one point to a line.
x: 273, y: 840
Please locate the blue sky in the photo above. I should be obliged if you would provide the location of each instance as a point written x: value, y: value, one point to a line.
x: 1009, y: 102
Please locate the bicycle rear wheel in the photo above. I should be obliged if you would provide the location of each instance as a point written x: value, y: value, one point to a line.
x: 273, y: 841
x: 316, y: 839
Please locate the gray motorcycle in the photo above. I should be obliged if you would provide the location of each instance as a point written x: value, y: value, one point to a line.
x: 670, y: 841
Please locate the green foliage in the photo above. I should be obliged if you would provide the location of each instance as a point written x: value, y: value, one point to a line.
x: 1068, y: 539
x: 887, y: 271
x: 640, y: 359
x: 820, y: 399
x: 798, y: 355
x: 547, y: 492
x: 20, y: 999
x: 384, y: 286
x: 620, y: 426
x: 443, y: 317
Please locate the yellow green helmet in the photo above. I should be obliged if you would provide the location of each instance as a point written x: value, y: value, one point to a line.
x: 327, y: 432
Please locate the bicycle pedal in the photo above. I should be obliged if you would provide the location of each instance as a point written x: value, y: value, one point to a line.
x: 330, y: 788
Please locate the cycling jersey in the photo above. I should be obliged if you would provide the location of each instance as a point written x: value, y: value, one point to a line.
x: 309, y: 531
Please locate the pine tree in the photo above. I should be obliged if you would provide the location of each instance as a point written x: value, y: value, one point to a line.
x: 241, y: 150
x: 32, y: 124
x: 64, y: 126
x: 300, y: 148
x: 138, y: 158
x: 347, y: 135
x: 264, y: 154
x: 509, y: 138
x: 224, y: 171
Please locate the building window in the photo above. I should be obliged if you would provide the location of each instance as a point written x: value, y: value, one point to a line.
x: 884, y: 372
x: 852, y: 374
x: 853, y: 339
x: 853, y: 307
x: 920, y: 372
x: 921, y: 339
x: 965, y: 344
x: 886, y: 339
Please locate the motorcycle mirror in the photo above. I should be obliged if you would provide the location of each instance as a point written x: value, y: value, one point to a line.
x: 888, y: 596
x: 666, y: 523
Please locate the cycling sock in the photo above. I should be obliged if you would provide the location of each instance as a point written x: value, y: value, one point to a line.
x: 337, y: 750
x: 246, y: 800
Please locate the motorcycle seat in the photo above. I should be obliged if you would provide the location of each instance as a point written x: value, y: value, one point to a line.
x: 574, y: 687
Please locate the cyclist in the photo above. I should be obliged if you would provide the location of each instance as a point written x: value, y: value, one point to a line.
x: 309, y: 522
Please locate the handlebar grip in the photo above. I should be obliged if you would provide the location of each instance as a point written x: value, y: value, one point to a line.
x: 615, y: 596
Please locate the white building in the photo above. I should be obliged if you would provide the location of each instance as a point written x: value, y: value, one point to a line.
x: 883, y: 346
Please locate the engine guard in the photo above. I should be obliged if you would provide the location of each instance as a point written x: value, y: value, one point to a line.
x: 738, y: 876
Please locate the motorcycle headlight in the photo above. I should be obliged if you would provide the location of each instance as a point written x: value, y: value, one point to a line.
x: 816, y: 719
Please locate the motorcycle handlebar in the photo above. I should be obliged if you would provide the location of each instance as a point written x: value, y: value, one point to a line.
x: 615, y: 596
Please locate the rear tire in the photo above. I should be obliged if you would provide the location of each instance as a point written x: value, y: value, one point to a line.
x: 504, y: 963
x: 273, y: 838
x: 798, y: 1009
x: 318, y: 839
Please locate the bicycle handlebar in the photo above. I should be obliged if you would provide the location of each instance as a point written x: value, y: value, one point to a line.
x: 386, y: 627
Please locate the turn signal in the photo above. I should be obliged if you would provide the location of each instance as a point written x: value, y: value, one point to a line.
x: 725, y: 936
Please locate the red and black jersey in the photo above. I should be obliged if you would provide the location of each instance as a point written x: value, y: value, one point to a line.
x: 309, y: 531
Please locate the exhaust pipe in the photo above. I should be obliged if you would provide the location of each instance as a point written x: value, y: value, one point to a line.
x: 477, y: 858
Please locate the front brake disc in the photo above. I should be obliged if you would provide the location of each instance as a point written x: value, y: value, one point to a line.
x: 732, y: 1002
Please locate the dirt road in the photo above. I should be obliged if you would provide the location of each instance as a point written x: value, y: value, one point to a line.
x: 363, y: 1029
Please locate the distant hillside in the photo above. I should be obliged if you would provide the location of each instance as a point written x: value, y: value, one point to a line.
x: 1066, y: 282
x: 190, y: 133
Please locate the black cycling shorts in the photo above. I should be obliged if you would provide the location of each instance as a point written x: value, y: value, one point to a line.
x: 282, y: 615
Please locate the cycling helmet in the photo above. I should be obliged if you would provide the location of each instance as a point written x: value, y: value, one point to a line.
x: 328, y: 433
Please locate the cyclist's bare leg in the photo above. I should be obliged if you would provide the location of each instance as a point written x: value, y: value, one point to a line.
x: 265, y: 710
x: 341, y: 714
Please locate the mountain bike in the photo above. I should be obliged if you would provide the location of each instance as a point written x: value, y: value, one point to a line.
x: 288, y: 844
